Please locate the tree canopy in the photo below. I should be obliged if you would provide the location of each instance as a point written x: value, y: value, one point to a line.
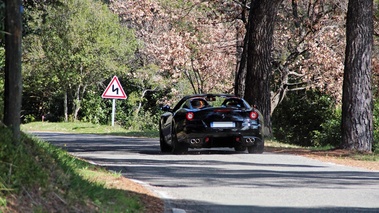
x: 77, y: 46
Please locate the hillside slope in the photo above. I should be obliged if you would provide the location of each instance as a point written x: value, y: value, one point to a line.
x: 38, y: 177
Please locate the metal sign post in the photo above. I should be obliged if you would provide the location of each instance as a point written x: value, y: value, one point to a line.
x: 114, y: 91
x: 113, y: 110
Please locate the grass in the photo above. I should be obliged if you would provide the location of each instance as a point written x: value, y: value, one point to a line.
x: 366, y: 156
x: 38, y: 177
x: 86, y: 128
x: 274, y: 143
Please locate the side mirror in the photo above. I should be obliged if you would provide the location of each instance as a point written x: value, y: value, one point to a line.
x: 166, y: 108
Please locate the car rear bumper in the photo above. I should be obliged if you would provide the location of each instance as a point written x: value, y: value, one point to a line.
x: 220, y: 138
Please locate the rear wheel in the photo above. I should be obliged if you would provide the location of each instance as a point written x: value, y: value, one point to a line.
x: 257, y: 148
x: 162, y: 142
x: 177, y: 148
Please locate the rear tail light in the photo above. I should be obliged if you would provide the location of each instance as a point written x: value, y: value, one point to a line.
x: 190, y: 116
x: 254, y: 115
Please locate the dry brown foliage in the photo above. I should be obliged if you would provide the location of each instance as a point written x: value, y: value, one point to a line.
x: 201, y: 41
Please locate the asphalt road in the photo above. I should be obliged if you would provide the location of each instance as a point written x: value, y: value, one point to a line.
x: 225, y: 181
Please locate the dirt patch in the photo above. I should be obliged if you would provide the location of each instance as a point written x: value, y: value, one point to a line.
x: 337, y: 156
x: 152, y: 203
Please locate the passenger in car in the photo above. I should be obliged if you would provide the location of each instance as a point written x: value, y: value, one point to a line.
x: 198, y: 103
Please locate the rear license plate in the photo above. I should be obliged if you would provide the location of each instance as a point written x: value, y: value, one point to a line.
x: 223, y: 124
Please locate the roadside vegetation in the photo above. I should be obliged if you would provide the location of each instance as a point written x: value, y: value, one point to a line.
x: 38, y: 177
x: 87, y: 128
x: 311, y: 119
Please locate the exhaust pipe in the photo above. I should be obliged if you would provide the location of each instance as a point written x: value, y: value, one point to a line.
x: 195, y: 141
x: 250, y: 140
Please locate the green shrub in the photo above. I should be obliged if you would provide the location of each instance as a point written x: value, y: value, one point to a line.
x: 95, y: 109
x: 301, y: 116
x: 307, y: 133
x: 143, y: 121
x: 330, y: 133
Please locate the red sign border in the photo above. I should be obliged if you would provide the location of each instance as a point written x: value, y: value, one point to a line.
x: 123, y: 94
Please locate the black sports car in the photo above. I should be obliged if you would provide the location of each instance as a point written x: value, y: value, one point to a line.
x: 211, y: 120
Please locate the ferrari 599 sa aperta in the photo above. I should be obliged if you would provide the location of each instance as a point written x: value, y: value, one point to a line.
x: 211, y: 120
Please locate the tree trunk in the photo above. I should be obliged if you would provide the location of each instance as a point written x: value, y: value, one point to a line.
x: 357, y: 103
x: 239, y: 84
x: 13, y: 77
x: 79, y: 94
x: 258, y: 76
x: 241, y: 50
x: 65, y: 106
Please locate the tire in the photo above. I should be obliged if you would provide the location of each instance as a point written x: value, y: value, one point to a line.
x: 177, y: 148
x: 257, y: 148
x: 162, y: 142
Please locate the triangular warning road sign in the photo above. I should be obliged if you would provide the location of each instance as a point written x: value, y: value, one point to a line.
x: 114, y: 90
